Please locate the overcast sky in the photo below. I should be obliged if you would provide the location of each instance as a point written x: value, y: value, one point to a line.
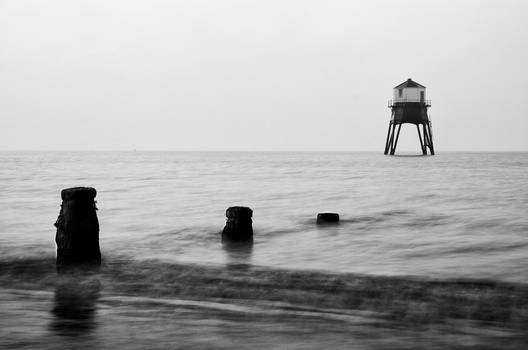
x: 259, y: 75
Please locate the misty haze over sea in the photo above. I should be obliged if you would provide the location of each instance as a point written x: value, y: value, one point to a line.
x: 431, y: 243
x: 198, y: 141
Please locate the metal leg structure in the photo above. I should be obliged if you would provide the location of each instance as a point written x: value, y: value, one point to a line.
x: 392, y: 138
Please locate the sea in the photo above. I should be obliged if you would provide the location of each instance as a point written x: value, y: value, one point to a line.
x: 430, y: 251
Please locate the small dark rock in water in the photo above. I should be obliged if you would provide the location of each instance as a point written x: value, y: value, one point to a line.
x: 238, y: 224
x: 327, y: 218
x: 78, y: 228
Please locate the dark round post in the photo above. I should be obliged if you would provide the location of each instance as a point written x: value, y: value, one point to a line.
x: 78, y: 228
x: 238, y: 224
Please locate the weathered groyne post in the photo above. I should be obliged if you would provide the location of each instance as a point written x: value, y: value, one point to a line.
x: 409, y: 106
x: 327, y: 218
x: 239, y: 224
x: 78, y: 228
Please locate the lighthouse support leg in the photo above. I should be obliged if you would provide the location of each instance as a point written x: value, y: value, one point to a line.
x: 388, y: 147
x: 431, y: 147
x: 396, y: 141
x: 387, y: 143
x: 392, y: 138
x: 426, y: 139
x: 420, y: 137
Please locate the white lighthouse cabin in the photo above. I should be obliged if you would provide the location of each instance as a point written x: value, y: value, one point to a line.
x: 409, y: 91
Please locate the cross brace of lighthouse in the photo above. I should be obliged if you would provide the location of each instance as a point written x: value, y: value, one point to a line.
x: 409, y: 106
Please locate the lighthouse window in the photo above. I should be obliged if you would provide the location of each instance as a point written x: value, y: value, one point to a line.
x: 400, y: 92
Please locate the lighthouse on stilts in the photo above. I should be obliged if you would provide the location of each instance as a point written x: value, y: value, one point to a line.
x: 409, y: 106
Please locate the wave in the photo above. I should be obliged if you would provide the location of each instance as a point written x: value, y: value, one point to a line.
x: 242, y: 306
x: 480, y: 248
x: 468, y: 249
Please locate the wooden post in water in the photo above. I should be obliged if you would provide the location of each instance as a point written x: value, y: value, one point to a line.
x: 239, y: 224
x: 78, y: 228
x: 327, y: 218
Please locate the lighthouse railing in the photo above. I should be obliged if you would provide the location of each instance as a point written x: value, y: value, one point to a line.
x: 393, y: 103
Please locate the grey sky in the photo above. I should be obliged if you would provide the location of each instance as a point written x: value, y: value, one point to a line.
x: 259, y: 75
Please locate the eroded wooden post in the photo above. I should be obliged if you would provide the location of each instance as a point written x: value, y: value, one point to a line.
x: 239, y: 224
x: 77, y: 235
x: 327, y: 218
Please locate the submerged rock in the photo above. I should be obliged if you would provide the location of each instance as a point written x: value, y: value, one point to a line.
x: 77, y: 235
x: 327, y: 218
x: 238, y: 224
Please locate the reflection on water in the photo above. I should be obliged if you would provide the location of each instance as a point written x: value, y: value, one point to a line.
x: 75, y: 306
x: 238, y: 253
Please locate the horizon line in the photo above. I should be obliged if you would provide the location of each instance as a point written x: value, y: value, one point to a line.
x: 251, y: 151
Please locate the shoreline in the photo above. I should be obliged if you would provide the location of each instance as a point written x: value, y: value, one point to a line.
x: 404, y: 299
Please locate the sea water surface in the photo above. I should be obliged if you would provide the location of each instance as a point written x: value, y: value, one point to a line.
x: 438, y: 241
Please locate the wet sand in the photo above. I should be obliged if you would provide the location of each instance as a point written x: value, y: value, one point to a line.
x: 162, y: 305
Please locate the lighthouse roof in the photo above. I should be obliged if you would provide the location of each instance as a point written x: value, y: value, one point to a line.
x: 409, y: 83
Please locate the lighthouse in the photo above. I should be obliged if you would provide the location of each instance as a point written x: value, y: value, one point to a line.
x: 409, y: 105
